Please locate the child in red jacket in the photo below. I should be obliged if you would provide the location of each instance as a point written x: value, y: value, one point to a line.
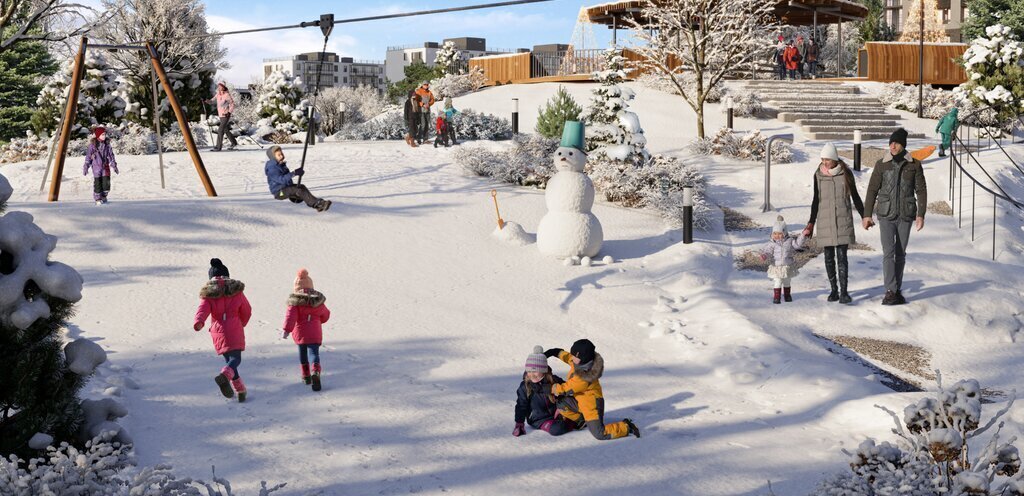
x: 304, y: 321
x: 442, y: 131
x: 224, y: 303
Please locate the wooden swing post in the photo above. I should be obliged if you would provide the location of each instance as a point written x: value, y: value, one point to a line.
x: 69, y: 120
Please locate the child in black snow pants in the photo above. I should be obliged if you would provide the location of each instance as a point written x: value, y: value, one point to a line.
x: 535, y: 407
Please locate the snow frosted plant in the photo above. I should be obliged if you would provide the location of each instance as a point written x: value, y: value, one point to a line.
x: 934, y: 456
x: 551, y: 119
x: 658, y: 185
x: 453, y: 85
x: 100, y: 101
x: 282, y: 105
x: 746, y: 146
x: 614, y: 133
x: 448, y: 57
x: 526, y: 163
x: 22, y: 149
x: 995, y: 72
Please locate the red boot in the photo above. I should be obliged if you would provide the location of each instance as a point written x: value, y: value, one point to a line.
x: 777, y: 298
x: 787, y: 294
x: 316, y: 377
x: 305, y: 372
x: 239, y: 388
x: 223, y: 379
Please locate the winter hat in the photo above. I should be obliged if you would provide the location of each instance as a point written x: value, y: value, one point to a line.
x: 779, y: 226
x: 899, y: 136
x: 829, y: 152
x: 218, y: 269
x: 572, y: 136
x: 271, y: 151
x: 303, y: 281
x: 536, y: 361
x: 98, y: 131
x: 584, y: 350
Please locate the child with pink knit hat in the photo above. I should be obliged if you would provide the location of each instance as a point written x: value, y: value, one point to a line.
x: 304, y: 321
x: 535, y: 407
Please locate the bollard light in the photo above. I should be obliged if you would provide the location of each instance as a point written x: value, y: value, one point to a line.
x: 856, y: 149
x: 687, y: 214
x: 729, y: 106
x: 515, y: 116
x: 341, y: 108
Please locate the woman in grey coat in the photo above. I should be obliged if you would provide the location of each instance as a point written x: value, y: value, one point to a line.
x: 832, y: 215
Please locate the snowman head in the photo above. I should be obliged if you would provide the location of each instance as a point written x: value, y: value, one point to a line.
x: 570, y: 159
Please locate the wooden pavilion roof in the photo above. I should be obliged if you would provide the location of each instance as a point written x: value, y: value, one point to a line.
x: 790, y: 12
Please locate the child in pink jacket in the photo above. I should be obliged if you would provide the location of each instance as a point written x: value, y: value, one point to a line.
x: 229, y: 311
x: 304, y: 321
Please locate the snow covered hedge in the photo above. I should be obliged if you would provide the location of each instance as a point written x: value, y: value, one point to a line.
x: 469, y: 125
x: 527, y: 163
x: 933, y: 456
x: 745, y: 104
x: 995, y: 71
x: 22, y: 149
x: 657, y: 185
x: 937, y: 103
x: 453, y: 85
x: 661, y: 82
x: 746, y: 146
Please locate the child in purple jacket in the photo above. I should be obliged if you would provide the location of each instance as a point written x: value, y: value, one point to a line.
x: 100, y: 159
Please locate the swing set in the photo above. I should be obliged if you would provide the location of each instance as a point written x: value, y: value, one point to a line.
x: 326, y: 24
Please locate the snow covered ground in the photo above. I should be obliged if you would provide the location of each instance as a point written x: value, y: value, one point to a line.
x: 433, y: 319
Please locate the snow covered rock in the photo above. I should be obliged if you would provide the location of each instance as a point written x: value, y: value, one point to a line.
x: 5, y: 189
x: 84, y: 356
x: 40, y: 441
x: 514, y: 234
x: 100, y: 416
x: 31, y: 272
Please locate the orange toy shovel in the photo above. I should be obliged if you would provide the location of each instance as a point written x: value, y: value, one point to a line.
x: 501, y: 222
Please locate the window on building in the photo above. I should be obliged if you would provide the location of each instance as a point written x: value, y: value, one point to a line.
x: 417, y: 57
x: 945, y: 16
x: 405, y: 57
x: 346, y: 80
x: 335, y: 79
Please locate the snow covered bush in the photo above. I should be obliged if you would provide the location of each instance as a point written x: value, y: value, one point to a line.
x: 99, y: 103
x: 615, y: 132
x: 135, y: 140
x: 173, y: 141
x: 389, y: 125
x: 746, y: 146
x: 657, y: 185
x: 528, y: 162
x: 687, y: 81
x: 447, y: 58
x: 361, y: 103
x: 282, y: 105
x: 937, y: 103
x: 995, y: 71
x: 745, y: 104
x: 551, y: 118
x: 933, y: 456
x: 21, y: 149
x: 472, y: 125
x: 454, y: 85
x: 828, y: 58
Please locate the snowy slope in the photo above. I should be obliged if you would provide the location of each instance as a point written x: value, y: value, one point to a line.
x: 433, y: 318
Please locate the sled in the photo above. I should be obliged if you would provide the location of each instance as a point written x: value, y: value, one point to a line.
x: 923, y: 153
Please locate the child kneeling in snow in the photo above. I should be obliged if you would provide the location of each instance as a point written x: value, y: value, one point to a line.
x: 580, y: 397
x: 99, y: 158
x: 280, y: 180
x: 229, y: 311
x: 304, y: 321
x: 533, y: 405
x: 782, y: 269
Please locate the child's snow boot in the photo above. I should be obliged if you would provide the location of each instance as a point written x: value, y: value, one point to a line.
x: 633, y: 429
x: 777, y: 296
x: 316, y: 377
x: 305, y: 373
x: 239, y: 388
x: 223, y: 381
x: 787, y: 294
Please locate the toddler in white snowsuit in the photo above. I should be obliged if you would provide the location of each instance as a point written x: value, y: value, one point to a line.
x: 782, y: 269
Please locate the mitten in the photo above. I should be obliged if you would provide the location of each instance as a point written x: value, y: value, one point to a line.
x: 116, y: 171
x: 519, y: 430
x: 197, y: 326
x: 285, y: 333
x: 553, y: 352
x: 299, y: 172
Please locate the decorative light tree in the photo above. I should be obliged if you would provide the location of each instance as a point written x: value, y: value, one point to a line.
x: 934, y: 32
x: 582, y: 39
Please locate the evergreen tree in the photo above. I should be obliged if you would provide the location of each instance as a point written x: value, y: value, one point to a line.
x: 282, y: 103
x: 447, y: 59
x: 559, y: 109
x: 23, y: 69
x: 873, y: 27
x: 614, y: 132
x: 415, y: 75
x: 100, y: 99
x: 985, y: 13
x: 38, y: 390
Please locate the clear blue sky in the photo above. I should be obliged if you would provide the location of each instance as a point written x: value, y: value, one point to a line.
x: 505, y: 27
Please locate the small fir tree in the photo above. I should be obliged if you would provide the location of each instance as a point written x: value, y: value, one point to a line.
x: 23, y: 68
x: 614, y: 132
x: 995, y: 72
x: 282, y: 105
x: 559, y: 109
x: 447, y: 58
x: 985, y: 13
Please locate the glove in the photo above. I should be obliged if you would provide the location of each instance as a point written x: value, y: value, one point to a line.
x: 117, y: 171
x: 85, y: 172
x: 553, y: 352
x: 197, y: 326
x: 299, y: 172
x: 519, y: 430
x: 285, y: 333
x: 764, y: 257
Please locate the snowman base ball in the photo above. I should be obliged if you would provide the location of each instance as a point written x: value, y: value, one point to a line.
x: 568, y: 234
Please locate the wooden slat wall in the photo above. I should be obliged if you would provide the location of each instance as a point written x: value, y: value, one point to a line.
x: 503, y: 70
x: 635, y: 60
x: 888, y: 62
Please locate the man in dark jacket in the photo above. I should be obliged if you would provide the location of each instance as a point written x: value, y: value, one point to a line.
x: 279, y: 178
x: 411, y: 112
x: 898, y: 187
x: 812, y: 58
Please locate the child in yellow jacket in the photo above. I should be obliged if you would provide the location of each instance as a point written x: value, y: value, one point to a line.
x: 581, y: 397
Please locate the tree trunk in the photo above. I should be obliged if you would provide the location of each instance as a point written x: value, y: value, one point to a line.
x: 700, y: 122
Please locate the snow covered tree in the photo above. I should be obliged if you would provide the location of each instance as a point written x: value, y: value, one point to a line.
x: 448, y: 58
x: 561, y: 108
x: 48, y: 21
x: 190, y: 63
x: 934, y: 32
x: 614, y: 132
x: 828, y: 56
x: 995, y: 72
x: 873, y: 27
x: 23, y: 69
x: 283, y: 107
x: 710, y: 39
x: 985, y: 13
x: 38, y: 382
x: 361, y: 103
x: 99, y: 101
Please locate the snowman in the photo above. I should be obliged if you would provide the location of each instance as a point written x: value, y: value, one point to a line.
x: 569, y: 229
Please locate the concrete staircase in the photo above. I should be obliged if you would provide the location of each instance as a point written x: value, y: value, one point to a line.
x: 826, y: 110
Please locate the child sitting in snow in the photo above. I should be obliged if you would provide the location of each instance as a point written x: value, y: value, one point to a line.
x: 229, y: 311
x: 304, y: 321
x: 580, y: 397
x: 279, y: 178
x: 535, y: 407
x: 782, y: 269
x: 99, y: 158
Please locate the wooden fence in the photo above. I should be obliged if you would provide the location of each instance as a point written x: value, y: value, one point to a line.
x: 552, y: 66
x: 889, y: 62
x: 504, y: 69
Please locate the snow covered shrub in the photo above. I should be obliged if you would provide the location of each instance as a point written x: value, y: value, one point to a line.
x: 995, y: 71
x: 389, y: 125
x: 99, y: 101
x: 614, y: 131
x: 658, y: 185
x: 173, y: 141
x: 361, y: 103
x: 21, y: 149
x: 135, y: 140
x: 447, y: 58
x: 934, y: 455
x: 746, y: 146
x: 938, y: 102
x: 454, y: 85
x: 471, y: 125
x: 528, y: 162
x: 745, y: 104
x: 551, y: 119
x: 282, y: 106
x: 661, y: 82
x: 829, y: 48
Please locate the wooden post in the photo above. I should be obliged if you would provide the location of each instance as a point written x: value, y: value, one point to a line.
x: 186, y: 132
x: 70, y: 112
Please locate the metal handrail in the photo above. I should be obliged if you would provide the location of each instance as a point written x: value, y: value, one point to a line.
x: 767, y: 205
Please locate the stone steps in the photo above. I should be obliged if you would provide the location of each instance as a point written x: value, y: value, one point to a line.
x: 837, y: 128
x: 825, y: 102
x: 848, y: 123
x: 805, y: 91
x: 795, y: 116
x: 848, y: 135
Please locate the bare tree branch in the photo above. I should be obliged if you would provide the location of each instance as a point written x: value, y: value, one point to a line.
x: 47, y: 20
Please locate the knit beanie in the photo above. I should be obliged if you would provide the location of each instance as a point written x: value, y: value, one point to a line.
x: 536, y: 361
x: 303, y: 281
x: 780, y: 226
x: 98, y: 131
x: 829, y: 152
x: 271, y: 151
x: 218, y: 269
x: 584, y: 350
x: 899, y: 136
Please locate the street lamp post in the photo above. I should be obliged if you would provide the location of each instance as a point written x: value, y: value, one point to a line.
x: 920, y: 63
x: 515, y: 116
x: 856, y: 149
x: 341, y: 108
x: 687, y: 214
x: 729, y: 106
